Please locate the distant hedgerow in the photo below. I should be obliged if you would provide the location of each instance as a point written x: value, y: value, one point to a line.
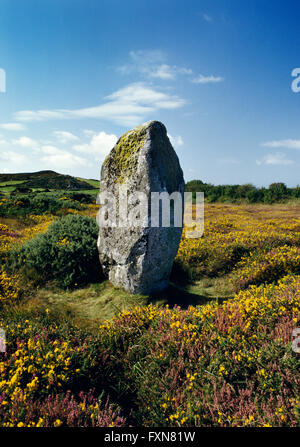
x: 66, y: 253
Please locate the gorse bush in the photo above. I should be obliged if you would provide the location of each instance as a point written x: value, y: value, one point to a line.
x: 56, y: 203
x: 66, y: 253
x: 267, y: 267
x: 50, y: 375
x: 242, y: 239
x: 214, y: 365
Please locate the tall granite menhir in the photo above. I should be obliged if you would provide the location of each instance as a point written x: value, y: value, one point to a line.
x: 140, y: 259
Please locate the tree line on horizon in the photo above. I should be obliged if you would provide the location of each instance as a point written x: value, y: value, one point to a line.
x: 276, y: 192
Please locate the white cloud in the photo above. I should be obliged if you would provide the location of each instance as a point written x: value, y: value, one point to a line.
x: 163, y: 71
x: 51, y: 150
x: 140, y: 98
x: 151, y: 56
x: 65, y: 137
x: 278, y: 159
x: 12, y: 157
x: 100, y: 145
x: 42, y: 115
x: 60, y: 159
x: 25, y: 142
x: 176, y: 141
x: 127, y: 106
x: 207, y: 18
x: 12, y: 126
x: 2, y: 141
x: 89, y: 132
x: 228, y: 161
x: 289, y: 144
x: 207, y: 79
x: 152, y: 64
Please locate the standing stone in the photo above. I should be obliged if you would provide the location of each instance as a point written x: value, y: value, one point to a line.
x: 140, y: 259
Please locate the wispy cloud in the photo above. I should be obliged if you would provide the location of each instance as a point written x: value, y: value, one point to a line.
x: 201, y: 79
x: 207, y: 18
x: 176, y: 141
x: 277, y: 159
x: 127, y: 106
x: 147, y: 56
x: 166, y: 72
x: 288, y: 144
x: 12, y: 157
x: 228, y: 161
x: 12, y: 126
x: 64, y: 137
x: 89, y: 132
x: 152, y: 64
x: 163, y: 71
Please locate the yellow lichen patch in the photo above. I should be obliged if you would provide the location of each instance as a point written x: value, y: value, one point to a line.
x: 123, y: 158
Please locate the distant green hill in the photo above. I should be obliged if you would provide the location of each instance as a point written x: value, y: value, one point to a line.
x: 45, y: 180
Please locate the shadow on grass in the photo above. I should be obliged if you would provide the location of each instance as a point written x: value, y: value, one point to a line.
x: 177, y: 295
x: 183, y: 291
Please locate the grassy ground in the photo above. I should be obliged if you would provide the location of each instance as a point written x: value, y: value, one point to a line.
x: 95, y: 303
x: 94, y: 183
x: 10, y: 183
x: 89, y: 305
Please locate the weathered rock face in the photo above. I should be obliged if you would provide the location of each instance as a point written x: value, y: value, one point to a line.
x: 140, y: 258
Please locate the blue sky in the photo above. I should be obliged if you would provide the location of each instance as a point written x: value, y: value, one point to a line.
x: 217, y: 73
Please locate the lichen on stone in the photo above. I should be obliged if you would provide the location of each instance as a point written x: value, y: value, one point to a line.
x: 124, y: 157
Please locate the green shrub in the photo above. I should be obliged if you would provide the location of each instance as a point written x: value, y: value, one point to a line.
x: 67, y: 253
x: 20, y: 205
x: 276, y: 192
